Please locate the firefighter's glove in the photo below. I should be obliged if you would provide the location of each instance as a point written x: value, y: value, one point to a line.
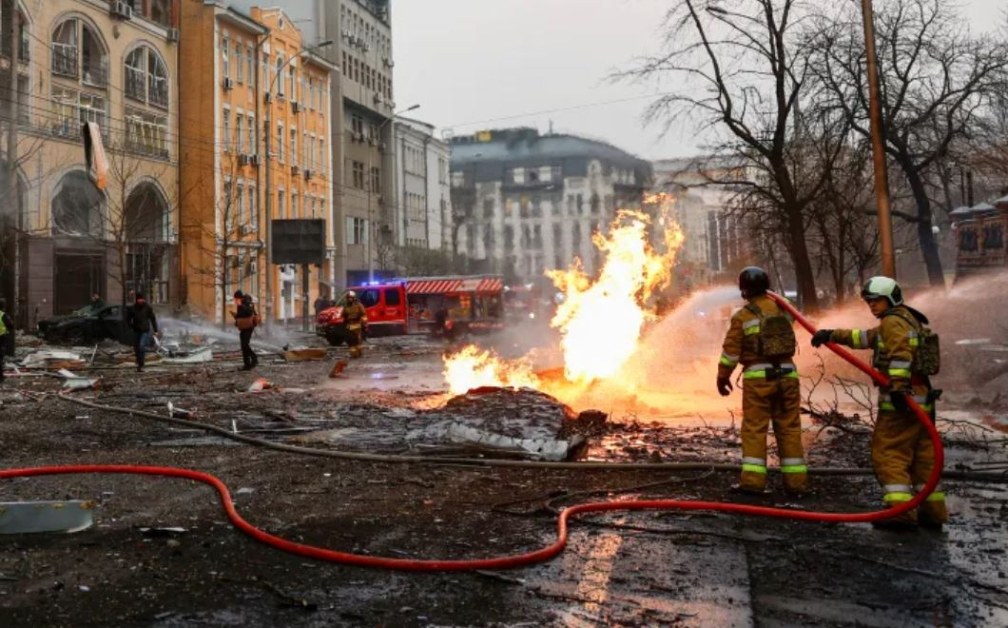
x: 899, y: 401
x: 724, y: 386
x: 821, y: 337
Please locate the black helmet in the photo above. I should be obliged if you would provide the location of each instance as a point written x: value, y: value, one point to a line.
x: 753, y: 281
x: 238, y: 294
x: 881, y: 287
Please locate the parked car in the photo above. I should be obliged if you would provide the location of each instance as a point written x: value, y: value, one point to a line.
x: 86, y: 325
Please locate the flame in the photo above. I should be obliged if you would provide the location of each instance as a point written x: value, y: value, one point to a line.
x: 473, y: 367
x: 600, y: 320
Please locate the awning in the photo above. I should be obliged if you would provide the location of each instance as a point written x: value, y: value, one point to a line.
x: 449, y: 285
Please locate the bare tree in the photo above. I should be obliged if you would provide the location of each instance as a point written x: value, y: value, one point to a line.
x: 133, y: 222
x: 224, y: 239
x: 935, y: 80
x: 742, y: 69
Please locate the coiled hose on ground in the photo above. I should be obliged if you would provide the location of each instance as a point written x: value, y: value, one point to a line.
x: 552, y: 550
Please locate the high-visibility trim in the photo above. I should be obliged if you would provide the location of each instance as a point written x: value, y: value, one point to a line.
x: 749, y: 331
x: 899, y: 372
x: 753, y: 323
x: 794, y: 468
x: 792, y: 374
x: 751, y: 460
x: 791, y: 461
x: 888, y: 405
x: 857, y: 341
x: 914, y: 342
x: 901, y: 364
x: 897, y: 488
x: 937, y: 496
x: 728, y: 360
x: 896, y: 497
x: 754, y: 468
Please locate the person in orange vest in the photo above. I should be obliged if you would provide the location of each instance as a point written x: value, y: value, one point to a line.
x: 761, y: 338
x: 901, y: 451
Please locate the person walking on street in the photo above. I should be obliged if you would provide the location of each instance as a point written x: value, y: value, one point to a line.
x: 355, y: 318
x: 6, y: 335
x: 141, y: 319
x: 905, y: 350
x: 761, y: 338
x: 246, y: 320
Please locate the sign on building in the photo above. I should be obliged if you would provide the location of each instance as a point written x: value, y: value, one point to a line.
x: 298, y: 241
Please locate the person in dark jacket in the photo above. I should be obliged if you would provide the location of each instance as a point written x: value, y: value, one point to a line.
x: 245, y: 320
x: 6, y: 335
x: 140, y: 318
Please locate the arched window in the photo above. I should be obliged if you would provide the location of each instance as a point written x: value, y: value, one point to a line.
x: 80, y: 73
x: 76, y: 206
x: 278, y: 77
x: 147, y: 77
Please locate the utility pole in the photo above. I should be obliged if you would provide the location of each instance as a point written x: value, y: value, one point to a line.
x: 12, y: 142
x: 878, y: 146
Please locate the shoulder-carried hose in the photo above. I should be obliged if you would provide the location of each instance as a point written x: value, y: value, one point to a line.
x: 545, y: 553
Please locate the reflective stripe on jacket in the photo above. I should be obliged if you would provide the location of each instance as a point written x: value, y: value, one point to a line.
x: 741, y: 341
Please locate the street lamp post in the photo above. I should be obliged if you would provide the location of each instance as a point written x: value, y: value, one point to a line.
x: 370, y: 186
x: 268, y: 134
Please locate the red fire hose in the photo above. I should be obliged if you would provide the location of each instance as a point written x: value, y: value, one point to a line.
x: 545, y: 553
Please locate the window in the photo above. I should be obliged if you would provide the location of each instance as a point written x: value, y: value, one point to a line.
x: 358, y: 174
x: 239, y: 204
x: 146, y: 77
x: 375, y: 180
x: 239, y: 62
x: 77, y: 52
x: 73, y: 107
x: 294, y: 205
x: 369, y: 297
x: 226, y: 57
x: 227, y: 128
x: 239, y: 133
x: 280, y: 143
x: 266, y: 72
x: 252, y: 148
x: 281, y: 204
x: 357, y: 126
x: 76, y: 206
x: 253, y: 213
x: 357, y: 230
x: 392, y: 296
x: 279, y: 75
x: 488, y: 208
x: 546, y: 174
x: 292, y: 76
x: 250, y: 66
x: 146, y: 132
x: 293, y: 147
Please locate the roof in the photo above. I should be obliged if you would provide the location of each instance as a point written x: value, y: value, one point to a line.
x: 488, y: 152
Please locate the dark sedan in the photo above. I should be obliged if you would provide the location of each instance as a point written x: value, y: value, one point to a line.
x: 86, y: 325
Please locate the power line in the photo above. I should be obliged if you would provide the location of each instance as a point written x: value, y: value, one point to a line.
x: 561, y: 109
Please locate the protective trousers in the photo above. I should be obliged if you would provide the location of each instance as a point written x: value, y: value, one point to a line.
x: 355, y: 337
x: 777, y: 401
x: 903, y: 456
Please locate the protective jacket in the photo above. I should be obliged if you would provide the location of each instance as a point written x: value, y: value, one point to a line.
x: 355, y: 316
x: 770, y: 394
x: 141, y: 319
x: 902, y: 454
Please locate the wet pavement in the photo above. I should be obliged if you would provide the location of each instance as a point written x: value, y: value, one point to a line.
x: 695, y: 569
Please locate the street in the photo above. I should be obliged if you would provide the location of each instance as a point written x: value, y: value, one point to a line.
x: 161, y: 552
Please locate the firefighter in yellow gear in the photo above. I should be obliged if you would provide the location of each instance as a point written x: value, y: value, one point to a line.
x: 761, y: 338
x: 901, y: 451
x: 355, y: 319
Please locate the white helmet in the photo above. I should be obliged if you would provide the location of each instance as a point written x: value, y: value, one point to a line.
x: 351, y: 294
x: 881, y: 287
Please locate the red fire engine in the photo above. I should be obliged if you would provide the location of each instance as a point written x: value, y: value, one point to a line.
x: 421, y: 305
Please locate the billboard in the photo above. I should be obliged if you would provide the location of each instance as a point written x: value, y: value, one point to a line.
x: 298, y: 241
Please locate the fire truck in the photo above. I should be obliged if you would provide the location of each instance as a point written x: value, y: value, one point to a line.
x: 417, y: 305
x: 980, y: 238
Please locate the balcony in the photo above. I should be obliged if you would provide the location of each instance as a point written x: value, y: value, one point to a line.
x: 135, y: 84
x: 64, y: 60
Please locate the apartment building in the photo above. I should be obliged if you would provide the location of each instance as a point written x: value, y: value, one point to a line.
x: 114, y: 65
x: 255, y: 127
x: 423, y: 208
x: 524, y: 203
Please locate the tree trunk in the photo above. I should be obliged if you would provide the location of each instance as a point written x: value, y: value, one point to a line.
x: 926, y: 239
x: 802, y: 262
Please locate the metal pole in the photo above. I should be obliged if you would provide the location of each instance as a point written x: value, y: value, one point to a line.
x: 305, y: 272
x: 878, y: 147
x: 370, y: 231
x: 12, y: 142
x: 269, y: 214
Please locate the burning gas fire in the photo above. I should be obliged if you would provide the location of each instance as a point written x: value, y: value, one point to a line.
x: 600, y: 320
x: 473, y: 367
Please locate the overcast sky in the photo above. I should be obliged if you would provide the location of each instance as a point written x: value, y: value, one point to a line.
x: 470, y: 63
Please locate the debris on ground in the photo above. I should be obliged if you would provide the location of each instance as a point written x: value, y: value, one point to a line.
x: 260, y: 385
x: 304, y: 354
